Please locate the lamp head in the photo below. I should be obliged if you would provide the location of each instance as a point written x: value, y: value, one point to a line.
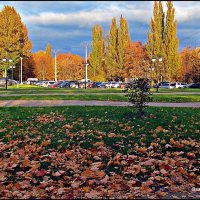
x: 153, y: 59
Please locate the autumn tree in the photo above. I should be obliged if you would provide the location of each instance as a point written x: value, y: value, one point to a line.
x: 123, y: 39
x: 111, y: 55
x: 171, y: 43
x: 48, y: 50
x: 117, y: 41
x: 96, y: 55
x: 14, y: 40
x: 135, y: 61
x: 70, y: 67
x: 154, y: 47
x: 43, y: 66
x: 189, y: 70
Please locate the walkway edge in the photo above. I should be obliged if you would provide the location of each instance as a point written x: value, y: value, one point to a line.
x: 41, y: 103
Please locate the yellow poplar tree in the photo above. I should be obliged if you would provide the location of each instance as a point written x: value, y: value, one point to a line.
x: 171, y: 43
x: 96, y: 55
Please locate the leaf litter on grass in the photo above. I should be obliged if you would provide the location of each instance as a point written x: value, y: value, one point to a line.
x: 121, y: 160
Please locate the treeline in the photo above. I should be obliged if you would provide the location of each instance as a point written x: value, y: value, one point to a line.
x: 113, y: 56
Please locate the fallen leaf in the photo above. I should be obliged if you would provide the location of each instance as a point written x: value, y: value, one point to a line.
x: 96, y: 144
x: 159, y: 129
x: 41, y: 172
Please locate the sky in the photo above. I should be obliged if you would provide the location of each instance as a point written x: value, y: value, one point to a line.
x: 67, y: 25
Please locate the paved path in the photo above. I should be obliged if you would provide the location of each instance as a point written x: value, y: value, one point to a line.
x: 32, y: 103
x: 82, y: 93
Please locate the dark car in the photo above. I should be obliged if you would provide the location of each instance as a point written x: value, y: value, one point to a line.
x: 94, y: 84
x: 194, y: 85
x: 55, y: 85
x: 101, y: 85
x: 64, y: 84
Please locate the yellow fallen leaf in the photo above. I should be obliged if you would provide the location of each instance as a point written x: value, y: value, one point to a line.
x: 96, y: 144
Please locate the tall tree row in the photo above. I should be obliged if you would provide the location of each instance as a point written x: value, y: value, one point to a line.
x: 163, y: 42
x: 14, y: 40
x: 107, y: 57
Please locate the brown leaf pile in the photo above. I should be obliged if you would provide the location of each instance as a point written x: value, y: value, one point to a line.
x: 30, y: 170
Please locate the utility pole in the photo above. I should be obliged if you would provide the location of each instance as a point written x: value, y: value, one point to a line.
x: 21, y: 70
x: 85, y: 44
x: 55, y: 51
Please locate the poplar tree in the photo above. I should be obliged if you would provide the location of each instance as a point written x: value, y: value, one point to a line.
x: 154, y: 45
x: 111, y: 58
x: 171, y: 43
x: 48, y: 50
x: 96, y: 55
x: 117, y: 42
x: 14, y: 40
x: 123, y: 40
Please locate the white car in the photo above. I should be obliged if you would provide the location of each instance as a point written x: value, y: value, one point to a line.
x: 178, y: 85
x: 113, y: 84
x: 48, y: 83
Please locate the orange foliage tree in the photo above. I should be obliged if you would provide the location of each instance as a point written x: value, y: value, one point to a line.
x: 70, y: 67
x: 135, y: 60
x: 43, y: 66
x: 190, y: 65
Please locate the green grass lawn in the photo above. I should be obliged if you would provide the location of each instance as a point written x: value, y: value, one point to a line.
x: 106, y: 97
x: 178, y: 122
x: 31, y: 89
x: 68, y: 152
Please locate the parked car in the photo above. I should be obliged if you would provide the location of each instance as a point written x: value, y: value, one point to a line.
x: 162, y: 83
x: 56, y: 84
x: 178, y: 85
x: 108, y: 84
x: 101, y: 85
x: 9, y: 82
x: 94, y: 84
x: 64, y: 84
x: 73, y: 84
x: 31, y: 81
x: 43, y: 83
x: 116, y: 85
x: 193, y: 85
x: 82, y: 84
x: 165, y: 85
x: 48, y: 83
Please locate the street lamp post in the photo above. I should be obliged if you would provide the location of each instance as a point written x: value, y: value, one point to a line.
x: 21, y: 70
x: 12, y: 67
x: 151, y: 70
x: 7, y: 60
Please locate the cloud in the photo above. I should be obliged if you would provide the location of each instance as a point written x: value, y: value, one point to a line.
x: 70, y: 22
x: 102, y: 13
